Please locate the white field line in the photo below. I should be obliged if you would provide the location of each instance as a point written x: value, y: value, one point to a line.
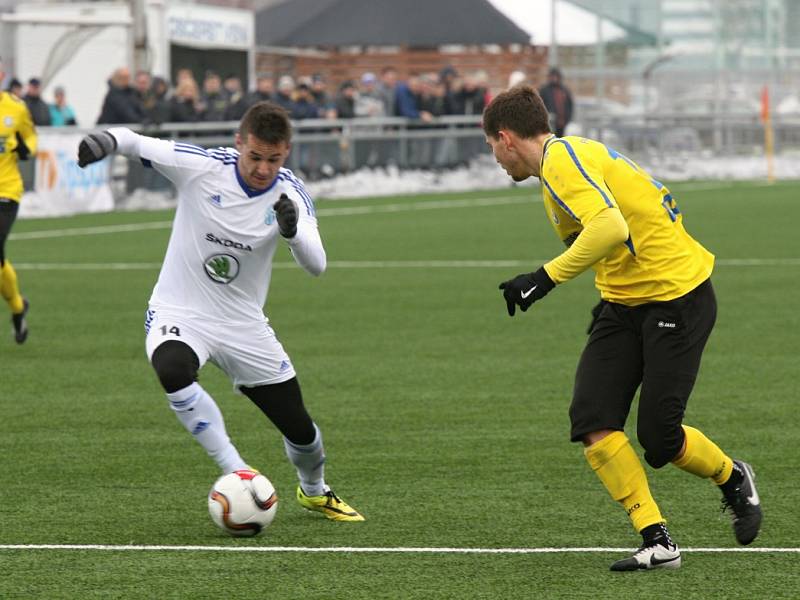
x: 535, y: 196
x: 88, y: 266
x: 365, y: 550
x: 435, y: 204
x: 326, y: 212
x: 387, y: 264
x: 98, y: 230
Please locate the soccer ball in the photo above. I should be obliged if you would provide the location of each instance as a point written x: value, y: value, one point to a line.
x: 242, y: 503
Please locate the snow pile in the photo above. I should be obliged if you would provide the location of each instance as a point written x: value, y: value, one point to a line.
x: 485, y: 173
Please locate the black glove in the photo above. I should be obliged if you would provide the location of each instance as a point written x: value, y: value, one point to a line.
x: 94, y: 147
x: 286, y: 213
x: 22, y: 150
x: 525, y: 289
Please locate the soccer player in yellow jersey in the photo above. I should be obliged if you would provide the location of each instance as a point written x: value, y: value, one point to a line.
x: 17, y: 142
x: 649, y: 330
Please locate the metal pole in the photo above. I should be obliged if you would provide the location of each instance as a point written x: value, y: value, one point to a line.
x: 600, y: 59
x: 553, y: 54
x: 141, y: 60
x: 719, y: 64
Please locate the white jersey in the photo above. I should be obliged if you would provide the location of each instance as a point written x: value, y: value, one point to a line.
x: 219, y: 258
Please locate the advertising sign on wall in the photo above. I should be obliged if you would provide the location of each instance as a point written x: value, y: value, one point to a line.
x: 61, y: 187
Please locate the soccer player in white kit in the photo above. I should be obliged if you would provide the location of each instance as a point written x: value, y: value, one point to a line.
x: 235, y: 206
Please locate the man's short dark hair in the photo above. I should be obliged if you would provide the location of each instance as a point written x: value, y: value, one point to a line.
x: 267, y: 121
x: 519, y: 109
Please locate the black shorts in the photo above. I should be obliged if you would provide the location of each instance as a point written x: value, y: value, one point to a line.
x: 657, y: 346
x: 8, y: 214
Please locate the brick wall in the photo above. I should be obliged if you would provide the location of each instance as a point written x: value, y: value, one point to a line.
x: 339, y: 65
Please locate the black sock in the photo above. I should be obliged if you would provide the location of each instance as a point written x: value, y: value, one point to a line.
x: 737, y: 476
x: 656, y: 534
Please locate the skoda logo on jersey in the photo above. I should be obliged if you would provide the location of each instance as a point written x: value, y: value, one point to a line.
x: 210, y: 237
x: 222, y: 268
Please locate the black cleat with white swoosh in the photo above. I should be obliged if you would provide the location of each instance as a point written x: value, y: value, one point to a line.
x: 658, y: 551
x: 742, y: 500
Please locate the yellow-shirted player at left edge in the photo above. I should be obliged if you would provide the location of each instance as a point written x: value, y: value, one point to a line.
x: 17, y: 142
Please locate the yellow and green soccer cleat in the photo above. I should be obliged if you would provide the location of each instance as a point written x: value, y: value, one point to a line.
x: 330, y: 505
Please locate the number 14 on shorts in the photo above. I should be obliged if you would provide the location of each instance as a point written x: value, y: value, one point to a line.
x: 166, y: 329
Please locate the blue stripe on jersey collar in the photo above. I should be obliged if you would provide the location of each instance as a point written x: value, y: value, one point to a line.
x: 546, y: 143
x: 582, y: 171
x: 251, y: 192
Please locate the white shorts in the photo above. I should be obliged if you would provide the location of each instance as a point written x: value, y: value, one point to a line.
x: 250, y: 354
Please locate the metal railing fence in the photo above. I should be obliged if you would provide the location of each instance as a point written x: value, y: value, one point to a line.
x: 325, y: 147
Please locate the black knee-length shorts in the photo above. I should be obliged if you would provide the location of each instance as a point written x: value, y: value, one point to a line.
x: 657, y: 346
x: 8, y: 214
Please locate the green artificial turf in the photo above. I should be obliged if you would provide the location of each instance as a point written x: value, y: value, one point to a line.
x: 445, y: 421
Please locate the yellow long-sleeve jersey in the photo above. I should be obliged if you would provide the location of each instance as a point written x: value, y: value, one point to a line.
x: 14, y: 119
x: 658, y: 261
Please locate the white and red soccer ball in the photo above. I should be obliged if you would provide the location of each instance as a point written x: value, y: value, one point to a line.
x: 243, y: 503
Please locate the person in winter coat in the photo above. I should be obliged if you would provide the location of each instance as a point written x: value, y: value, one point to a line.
x: 558, y: 100
x: 121, y: 104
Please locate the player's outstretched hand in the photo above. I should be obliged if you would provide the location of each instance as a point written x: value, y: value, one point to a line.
x: 22, y: 150
x: 286, y: 214
x: 94, y: 147
x: 525, y: 289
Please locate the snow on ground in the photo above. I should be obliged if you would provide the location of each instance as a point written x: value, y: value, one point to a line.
x: 484, y: 173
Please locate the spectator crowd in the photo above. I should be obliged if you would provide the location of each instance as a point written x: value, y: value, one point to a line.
x: 56, y: 114
x: 142, y: 98
x: 147, y: 99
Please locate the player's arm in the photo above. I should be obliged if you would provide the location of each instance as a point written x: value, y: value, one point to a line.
x: 601, y: 236
x: 577, y: 186
x: 298, y: 226
x: 171, y: 159
x: 575, y: 181
x: 26, y: 136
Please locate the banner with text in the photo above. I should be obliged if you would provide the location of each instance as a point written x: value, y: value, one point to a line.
x: 60, y: 187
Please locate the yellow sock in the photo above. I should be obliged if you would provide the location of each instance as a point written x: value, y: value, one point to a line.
x: 703, y: 457
x: 621, y: 471
x: 9, y: 289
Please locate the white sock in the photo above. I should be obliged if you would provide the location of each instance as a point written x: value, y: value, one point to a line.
x: 309, y: 460
x: 202, y: 418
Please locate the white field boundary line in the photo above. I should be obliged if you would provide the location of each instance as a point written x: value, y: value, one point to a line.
x: 326, y: 212
x: 432, y: 205
x: 97, y: 230
x: 365, y: 550
x: 343, y: 211
x: 387, y: 264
